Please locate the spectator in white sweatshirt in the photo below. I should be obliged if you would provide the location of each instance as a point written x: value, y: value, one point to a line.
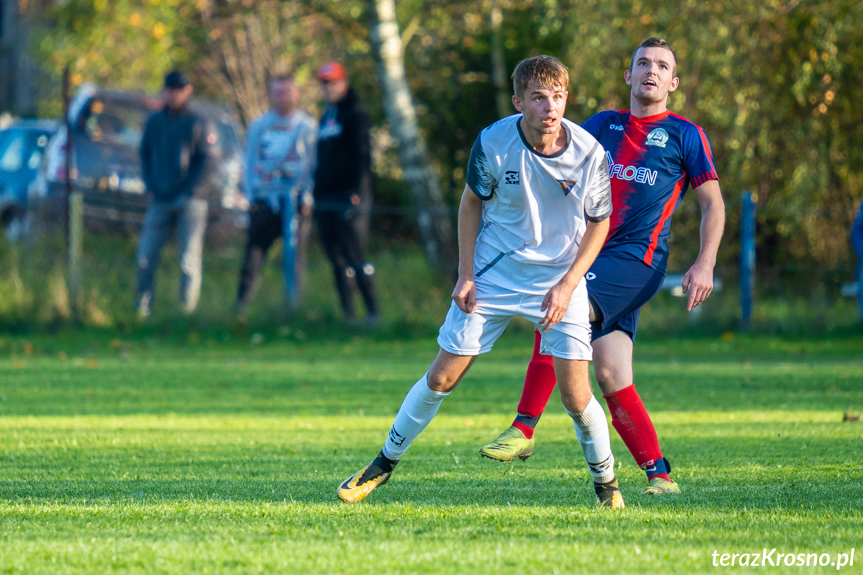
x: 280, y: 162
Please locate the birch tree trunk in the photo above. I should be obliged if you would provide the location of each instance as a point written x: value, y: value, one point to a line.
x: 502, y: 87
x: 432, y: 213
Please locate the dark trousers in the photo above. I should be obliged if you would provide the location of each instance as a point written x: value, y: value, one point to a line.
x: 337, y: 228
x: 265, y: 227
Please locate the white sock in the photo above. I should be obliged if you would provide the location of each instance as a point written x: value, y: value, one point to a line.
x: 416, y: 412
x: 591, y: 428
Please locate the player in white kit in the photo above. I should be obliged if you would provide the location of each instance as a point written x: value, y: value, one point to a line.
x: 532, y: 219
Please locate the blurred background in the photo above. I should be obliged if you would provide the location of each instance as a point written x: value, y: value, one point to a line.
x: 775, y: 85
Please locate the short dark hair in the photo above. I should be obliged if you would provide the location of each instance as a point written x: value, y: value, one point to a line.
x: 281, y: 78
x: 654, y: 42
x: 547, y: 71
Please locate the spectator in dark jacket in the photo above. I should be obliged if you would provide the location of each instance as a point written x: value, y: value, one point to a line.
x: 857, y: 243
x: 342, y: 174
x: 174, y: 158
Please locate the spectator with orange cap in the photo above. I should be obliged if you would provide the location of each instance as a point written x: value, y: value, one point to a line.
x: 342, y: 173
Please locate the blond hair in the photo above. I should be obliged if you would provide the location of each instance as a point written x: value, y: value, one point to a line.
x: 547, y: 71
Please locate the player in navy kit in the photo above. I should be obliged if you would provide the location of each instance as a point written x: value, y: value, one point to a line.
x: 653, y: 157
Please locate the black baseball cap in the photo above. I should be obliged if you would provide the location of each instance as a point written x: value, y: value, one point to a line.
x: 176, y: 79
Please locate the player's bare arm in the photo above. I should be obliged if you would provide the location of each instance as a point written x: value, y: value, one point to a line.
x: 469, y: 220
x: 698, y: 281
x: 557, y: 299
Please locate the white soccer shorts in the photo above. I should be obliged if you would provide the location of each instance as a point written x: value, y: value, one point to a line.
x: 475, y: 333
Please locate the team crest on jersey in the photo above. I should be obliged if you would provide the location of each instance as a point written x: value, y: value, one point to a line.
x: 566, y: 185
x: 657, y: 137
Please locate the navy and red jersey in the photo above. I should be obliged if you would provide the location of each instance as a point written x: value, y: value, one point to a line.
x: 651, y: 163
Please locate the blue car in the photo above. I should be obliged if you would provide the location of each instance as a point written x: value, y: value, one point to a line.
x: 22, y: 146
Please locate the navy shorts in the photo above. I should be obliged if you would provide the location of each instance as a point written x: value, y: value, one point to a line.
x: 618, y: 285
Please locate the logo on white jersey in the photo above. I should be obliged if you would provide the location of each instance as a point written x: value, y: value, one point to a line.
x: 630, y: 173
x: 567, y: 185
x: 511, y: 178
x: 657, y: 137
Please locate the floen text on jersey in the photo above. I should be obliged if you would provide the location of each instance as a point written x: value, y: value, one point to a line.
x: 629, y: 173
x: 652, y: 161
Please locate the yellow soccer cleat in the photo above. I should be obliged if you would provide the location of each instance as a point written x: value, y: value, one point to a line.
x: 357, y: 487
x: 609, y: 495
x: 660, y: 486
x: 508, y: 445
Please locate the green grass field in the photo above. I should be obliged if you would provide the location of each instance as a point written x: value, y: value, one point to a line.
x: 192, y: 454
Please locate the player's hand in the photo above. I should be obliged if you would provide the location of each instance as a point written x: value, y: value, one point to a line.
x: 698, y: 283
x: 555, y: 304
x: 464, y: 294
x: 355, y: 199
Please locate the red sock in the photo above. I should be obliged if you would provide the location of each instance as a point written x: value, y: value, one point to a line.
x: 539, y: 382
x: 629, y: 417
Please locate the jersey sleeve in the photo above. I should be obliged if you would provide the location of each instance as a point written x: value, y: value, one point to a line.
x: 597, y: 199
x: 698, y: 158
x: 593, y: 125
x: 479, y: 177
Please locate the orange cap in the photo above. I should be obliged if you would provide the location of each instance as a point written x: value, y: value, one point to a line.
x: 332, y: 71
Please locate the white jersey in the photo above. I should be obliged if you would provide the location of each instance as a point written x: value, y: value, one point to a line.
x: 280, y: 157
x: 535, y: 206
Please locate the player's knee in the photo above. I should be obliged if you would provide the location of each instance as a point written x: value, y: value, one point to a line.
x: 575, y: 403
x: 604, y: 374
x: 611, y: 378
x: 443, y: 377
x: 440, y: 380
